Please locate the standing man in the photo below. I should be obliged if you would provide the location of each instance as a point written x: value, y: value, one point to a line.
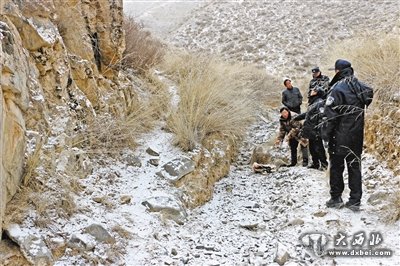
x: 318, y: 88
x: 291, y: 97
x: 343, y: 128
x: 319, y: 85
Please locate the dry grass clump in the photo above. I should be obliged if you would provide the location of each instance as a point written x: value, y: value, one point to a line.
x: 214, y: 97
x: 109, y: 134
x: 376, y: 60
x: 142, y: 50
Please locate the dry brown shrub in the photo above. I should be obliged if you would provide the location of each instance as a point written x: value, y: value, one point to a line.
x: 376, y: 61
x: 142, y: 51
x: 215, y: 96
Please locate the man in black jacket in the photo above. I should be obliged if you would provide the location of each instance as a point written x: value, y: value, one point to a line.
x: 343, y: 128
x: 318, y: 87
x: 291, y: 97
x: 313, y: 117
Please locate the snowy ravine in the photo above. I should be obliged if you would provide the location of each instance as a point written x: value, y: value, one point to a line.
x: 247, y: 218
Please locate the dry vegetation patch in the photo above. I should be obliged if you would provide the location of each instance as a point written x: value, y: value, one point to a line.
x: 142, y: 51
x: 215, y: 97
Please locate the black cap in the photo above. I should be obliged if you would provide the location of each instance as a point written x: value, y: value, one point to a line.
x: 341, y: 64
x: 315, y: 70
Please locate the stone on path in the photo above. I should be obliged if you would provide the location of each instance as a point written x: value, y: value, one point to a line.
x: 168, y: 206
x: 32, y: 247
x: 177, y: 168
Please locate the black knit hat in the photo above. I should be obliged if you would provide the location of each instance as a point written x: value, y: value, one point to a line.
x: 341, y: 64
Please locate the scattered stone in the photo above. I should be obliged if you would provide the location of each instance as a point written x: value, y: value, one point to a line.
x: 125, y: 199
x: 154, y: 162
x: 197, y: 255
x: 249, y: 226
x: 169, y: 207
x: 259, y: 254
x: 296, y: 221
x: 377, y: 198
x: 177, y: 168
x: 32, y: 247
x: 320, y: 213
x: 185, y: 260
x: 213, y: 263
x: 174, y: 252
x: 168, y: 261
x: 81, y: 242
x: 152, y: 152
x: 99, y: 233
x: 98, y: 199
x: 132, y: 160
x: 281, y: 254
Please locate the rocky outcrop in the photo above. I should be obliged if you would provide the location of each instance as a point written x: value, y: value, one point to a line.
x: 58, y: 60
x: 212, y: 162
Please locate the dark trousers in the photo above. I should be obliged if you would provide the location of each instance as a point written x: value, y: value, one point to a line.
x: 293, y: 144
x: 317, y: 152
x: 336, y: 176
x: 296, y: 109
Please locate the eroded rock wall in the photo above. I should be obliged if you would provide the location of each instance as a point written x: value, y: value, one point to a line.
x: 57, y: 61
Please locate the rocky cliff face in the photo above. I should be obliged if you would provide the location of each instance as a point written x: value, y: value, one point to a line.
x: 58, y: 59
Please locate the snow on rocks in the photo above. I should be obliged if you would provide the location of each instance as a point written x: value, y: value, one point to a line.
x: 177, y: 168
x: 32, y: 246
x: 168, y: 206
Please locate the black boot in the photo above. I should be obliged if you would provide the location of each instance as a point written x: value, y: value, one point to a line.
x: 313, y: 166
x: 354, y: 206
x: 335, y: 203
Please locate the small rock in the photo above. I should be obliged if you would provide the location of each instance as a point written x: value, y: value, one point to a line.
x: 177, y: 168
x: 81, y: 242
x: 174, y: 252
x: 154, y: 162
x: 296, y: 222
x: 99, y: 233
x: 98, y: 199
x: 168, y: 261
x: 377, y: 198
x: 32, y: 247
x: 281, y: 254
x: 170, y: 208
x: 320, y: 213
x: 152, y: 152
x: 132, y: 160
x: 249, y: 226
x: 125, y: 199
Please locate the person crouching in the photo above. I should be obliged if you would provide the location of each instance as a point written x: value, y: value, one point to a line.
x: 292, y: 128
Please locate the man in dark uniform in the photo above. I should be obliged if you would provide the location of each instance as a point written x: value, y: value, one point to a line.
x: 343, y: 128
x: 291, y: 97
x: 319, y: 85
x: 311, y: 129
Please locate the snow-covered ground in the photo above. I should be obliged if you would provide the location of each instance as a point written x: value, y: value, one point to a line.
x: 251, y: 217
